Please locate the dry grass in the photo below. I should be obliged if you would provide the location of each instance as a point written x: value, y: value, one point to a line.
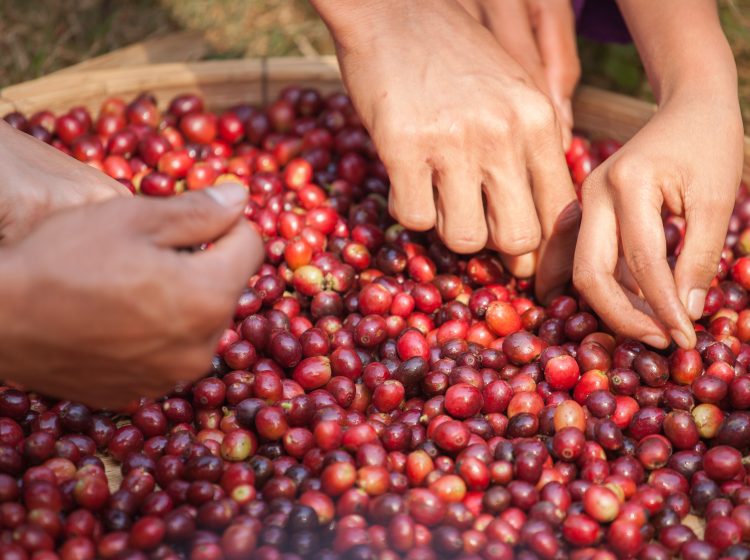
x: 40, y: 36
x: 255, y: 28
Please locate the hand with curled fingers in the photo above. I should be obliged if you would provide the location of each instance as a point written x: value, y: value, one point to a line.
x: 471, y: 144
x: 689, y: 159
x: 116, y: 310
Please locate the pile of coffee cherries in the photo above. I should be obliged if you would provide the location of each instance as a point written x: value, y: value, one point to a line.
x: 378, y: 396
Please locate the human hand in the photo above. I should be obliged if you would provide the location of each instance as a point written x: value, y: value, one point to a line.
x: 689, y: 159
x: 540, y: 36
x: 100, y: 305
x: 447, y: 106
x: 39, y: 180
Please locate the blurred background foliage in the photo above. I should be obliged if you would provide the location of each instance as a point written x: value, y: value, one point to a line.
x: 40, y: 36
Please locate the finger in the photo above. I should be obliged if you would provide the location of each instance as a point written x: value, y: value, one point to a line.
x: 559, y: 214
x: 645, y: 249
x: 555, y: 262
x: 511, y: 217
x: 554, y: 28
x: 192, y: 218
x: 699, y: 259
x: 460, y: 212
x: 473, y: 7
x: 509, y: 21
x: 410, y: 200
x: 625, y: 278
x: 109, y: 189
x: 594, y: 266
x: 522, y: 266
x: 232, y: 258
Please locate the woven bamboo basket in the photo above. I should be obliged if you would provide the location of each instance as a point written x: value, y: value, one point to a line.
x: 223, y: 83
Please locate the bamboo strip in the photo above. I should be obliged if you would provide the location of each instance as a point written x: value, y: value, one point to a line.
x: 221, y: 82
x: 180, y: 46
x: 6, y: 107
x: 605, y: 114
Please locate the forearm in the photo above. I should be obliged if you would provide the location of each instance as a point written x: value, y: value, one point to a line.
x: 682, y: 47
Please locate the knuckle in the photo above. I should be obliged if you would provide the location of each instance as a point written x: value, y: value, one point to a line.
x: 409, y: 135
x: 519, y: 242
x: 465, y: 240
x: 538, y: 114
x: 706, y: 262
x: 630, y: 173
x: 430, y: 134
x: 500, y: 127
x: 417, y: 219
x: 393, y: 130
x: 640, y: 260
x: 623, y: 171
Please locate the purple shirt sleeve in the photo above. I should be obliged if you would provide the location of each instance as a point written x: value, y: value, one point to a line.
x: 600, y: 20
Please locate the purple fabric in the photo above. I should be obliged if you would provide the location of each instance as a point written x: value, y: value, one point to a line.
x: 600, y: 20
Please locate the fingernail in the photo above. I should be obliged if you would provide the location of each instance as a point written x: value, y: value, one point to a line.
x: 656, y: 341
x: 228, y: 194
x: 695, y: 302
x: 679, y: 337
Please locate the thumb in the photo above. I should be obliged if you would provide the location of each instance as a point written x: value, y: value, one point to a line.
x: 699, y: 259
x: 194, y: 217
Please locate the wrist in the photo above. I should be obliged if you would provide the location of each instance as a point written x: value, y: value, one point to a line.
x: 683, y: 48
x: 364, y: 23
x: 703, y: 75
